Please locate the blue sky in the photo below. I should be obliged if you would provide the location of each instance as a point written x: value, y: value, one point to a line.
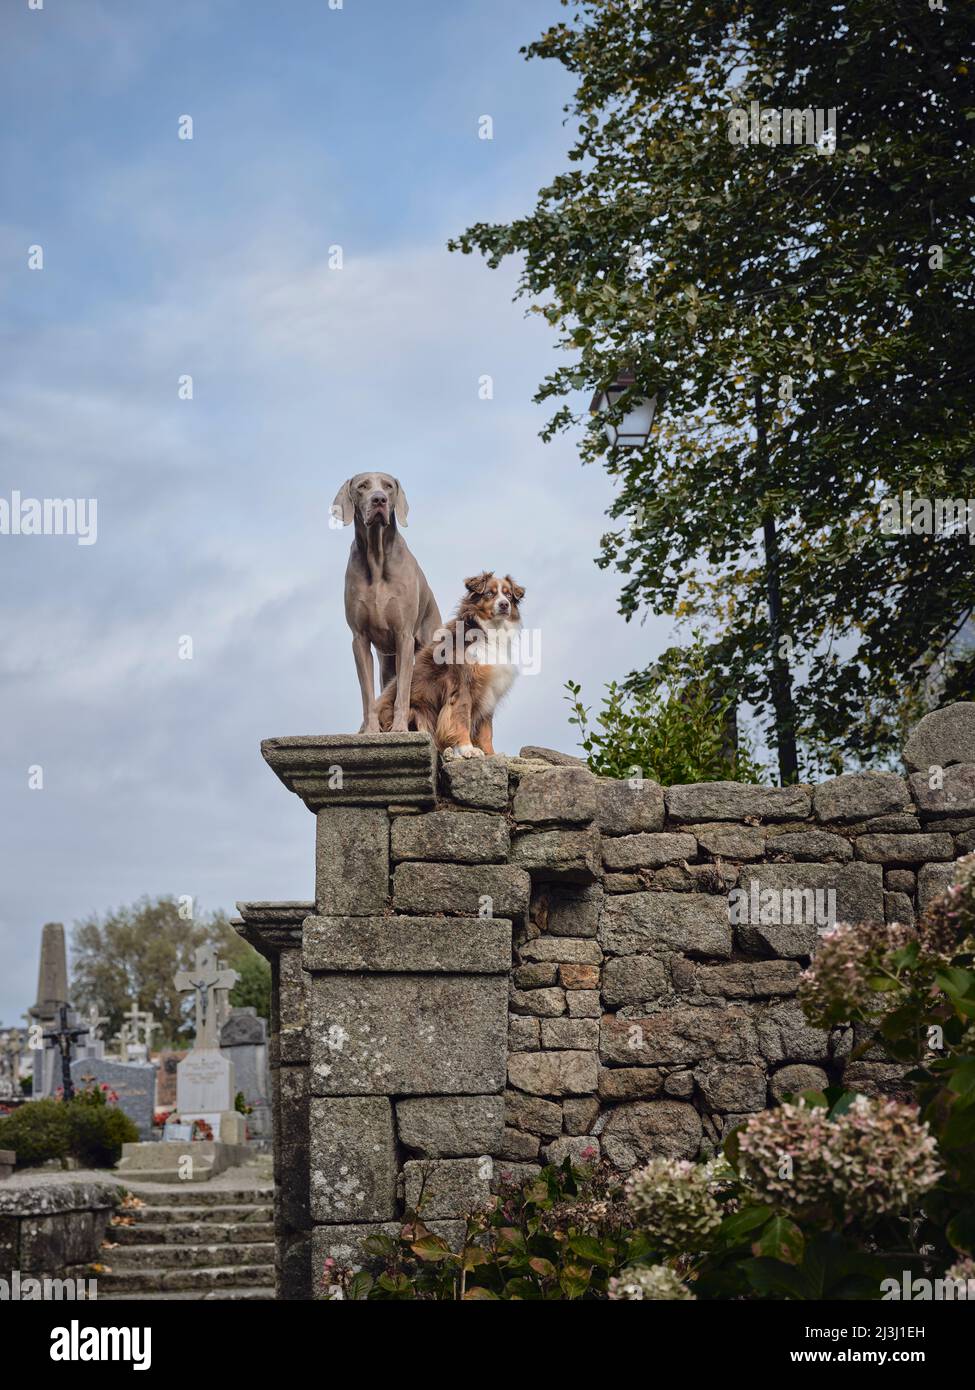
x: 312, y: 127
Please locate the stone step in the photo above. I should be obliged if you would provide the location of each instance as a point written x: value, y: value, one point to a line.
x: 193, y: 1233
x: 195, y: 1195
x: 259, y: 1293
x: 154, y: 1280
x: 189, y: 1255
x: 219, y: 1215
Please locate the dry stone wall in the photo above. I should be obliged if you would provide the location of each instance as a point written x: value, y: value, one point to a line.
x: 509, y: 960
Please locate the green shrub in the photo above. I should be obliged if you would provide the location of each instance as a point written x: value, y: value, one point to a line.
x: 671, y: 727
x: 98, y: 1130
x: 87, y: 1128
x: 562, y: 1236
x: 36, y: 1132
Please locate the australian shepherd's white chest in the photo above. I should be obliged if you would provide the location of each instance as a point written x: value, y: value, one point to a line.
x: 461, y: 676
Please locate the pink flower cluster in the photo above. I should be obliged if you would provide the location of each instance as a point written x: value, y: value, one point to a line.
x: 947, y: 925
x: 873, y: 1160
x: 836, y: 985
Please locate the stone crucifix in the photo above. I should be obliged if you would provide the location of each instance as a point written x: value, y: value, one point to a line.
x: 141, y: 1021
x: 63, y: 1037
x: 205, y: 979
x: 95, y: 1021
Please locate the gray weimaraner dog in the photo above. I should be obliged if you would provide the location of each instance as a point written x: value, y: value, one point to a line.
x: 388, y: 602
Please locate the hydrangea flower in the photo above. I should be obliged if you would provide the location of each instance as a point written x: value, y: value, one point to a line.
x: 947, y: 925
x: 836, y: 985
x: 963, y: 1274
x: 674, y: 1204
x: 875, y: 1159
x: 658, y: 1282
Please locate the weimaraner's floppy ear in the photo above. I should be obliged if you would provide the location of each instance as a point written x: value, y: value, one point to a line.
x: 477, y: 584
x: 402, y: 507
x: 516, y: 588
x: 343, y: 506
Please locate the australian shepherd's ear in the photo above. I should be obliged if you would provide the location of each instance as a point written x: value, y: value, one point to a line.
x: 516, y: 589
x: 478, y: 583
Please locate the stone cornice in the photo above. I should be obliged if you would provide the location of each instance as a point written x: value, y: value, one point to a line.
x: 272, y: 927
x: 355, y: 769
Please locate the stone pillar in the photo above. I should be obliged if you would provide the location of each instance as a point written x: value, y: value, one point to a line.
x: 274, y: 929
x: 389, y: 1029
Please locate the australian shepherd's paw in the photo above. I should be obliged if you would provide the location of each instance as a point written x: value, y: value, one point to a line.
x: 462, y: 750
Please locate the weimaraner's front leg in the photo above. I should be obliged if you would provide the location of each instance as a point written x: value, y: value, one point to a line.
x: 405, y: 657
x: 362, y: 651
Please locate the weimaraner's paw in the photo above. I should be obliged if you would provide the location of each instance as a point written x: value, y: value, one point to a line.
x: 400, y: 726
x: 370, y: 726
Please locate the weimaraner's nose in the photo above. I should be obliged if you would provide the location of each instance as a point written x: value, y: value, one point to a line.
x: 379, y: 499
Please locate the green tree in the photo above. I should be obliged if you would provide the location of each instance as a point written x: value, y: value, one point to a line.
x: 254, y: 986
x: 132, y: 954
x: 805, y: 318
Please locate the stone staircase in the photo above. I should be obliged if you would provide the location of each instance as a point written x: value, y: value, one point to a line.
x: 196, y: 1243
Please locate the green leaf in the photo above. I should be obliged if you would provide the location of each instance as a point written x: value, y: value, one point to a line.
x: 961, y: 1231
x: 739, y: 1224
x: 963, y: 1078
x: 574, y: 1280
x: 781, y: 1239
x: 842, y: 1102
x: 431, y: 1247
x: 396, y: 1284
x: 512, y: 1237
x: 359, y: 1286
x: 815, y: 1100
x: 775, y: 1279
x: 956, y: 982
x: 591, y: 1249
x: 524, y: 1289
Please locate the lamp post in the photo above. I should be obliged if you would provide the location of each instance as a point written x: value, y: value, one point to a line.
x: 633, y: 430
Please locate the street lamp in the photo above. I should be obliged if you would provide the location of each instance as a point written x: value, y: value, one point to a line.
x: 633, y: 431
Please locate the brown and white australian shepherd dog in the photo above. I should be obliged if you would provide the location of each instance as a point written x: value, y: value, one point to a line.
x: 461, y: 675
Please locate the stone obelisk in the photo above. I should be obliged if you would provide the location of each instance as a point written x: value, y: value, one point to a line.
x: 52, y: 992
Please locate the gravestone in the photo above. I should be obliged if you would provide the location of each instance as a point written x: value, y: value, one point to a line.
x: 243, y: 1039
x: 133, y: 1082
x: 10, y: 1065
x: 204, y: 1091
x: 91, y: 1045
x: 205, y: 1087
x: 205, y: 1081
x: 166, y: 1079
